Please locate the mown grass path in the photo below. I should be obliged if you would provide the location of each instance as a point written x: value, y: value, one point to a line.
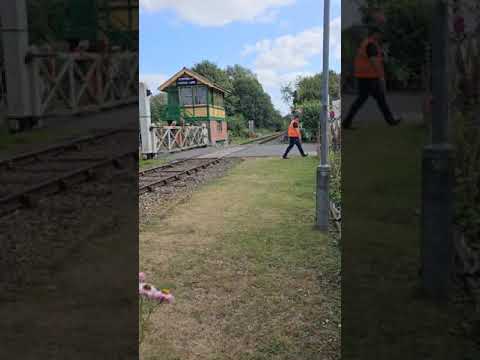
x: 252, y: 279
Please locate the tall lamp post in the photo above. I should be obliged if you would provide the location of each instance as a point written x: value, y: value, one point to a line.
x: 323, y: 170
x: 438, y: 171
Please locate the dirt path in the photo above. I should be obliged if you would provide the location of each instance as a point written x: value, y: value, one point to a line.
x: 251, y: 280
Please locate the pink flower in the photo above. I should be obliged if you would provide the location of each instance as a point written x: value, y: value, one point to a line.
x: 146, y: 290
x: 158, y: 296
x: 169, y: 298
x: 141, y: 277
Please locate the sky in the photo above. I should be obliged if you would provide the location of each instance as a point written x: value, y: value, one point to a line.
x: 278, y: 40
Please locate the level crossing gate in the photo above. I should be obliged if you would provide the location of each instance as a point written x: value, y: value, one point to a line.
x: 70, y: 83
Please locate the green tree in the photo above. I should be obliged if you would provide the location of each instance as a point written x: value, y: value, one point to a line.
x: 237, y: 125
x: 246, y: 95
x: 158, y: 106
x: 407, y: 31
x: 215, y: 74
x: 219, y: 76
x: 311, y: 111
x: 309, y: 88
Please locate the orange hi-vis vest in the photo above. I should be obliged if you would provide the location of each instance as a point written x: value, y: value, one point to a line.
x: 292, y: 131
x: 363, y: 67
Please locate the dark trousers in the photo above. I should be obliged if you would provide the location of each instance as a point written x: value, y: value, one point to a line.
x: 366, y: 88
x: 294, y: 141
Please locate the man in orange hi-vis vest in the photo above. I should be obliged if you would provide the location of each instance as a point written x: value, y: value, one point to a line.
x: 294, y: 136
x: 370, y: 73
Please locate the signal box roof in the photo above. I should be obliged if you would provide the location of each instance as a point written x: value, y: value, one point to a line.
x: 192, y: 74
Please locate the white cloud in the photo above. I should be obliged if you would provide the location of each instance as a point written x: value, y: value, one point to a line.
x: 290, y: 52
x: 153, y: 81
x: 219, y: 13
x: 273, y: 79
x: 281, y: 60
x: 268, y: 17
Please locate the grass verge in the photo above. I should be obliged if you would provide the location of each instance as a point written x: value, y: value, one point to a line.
x: 386, y: 314
x: 252, y: 279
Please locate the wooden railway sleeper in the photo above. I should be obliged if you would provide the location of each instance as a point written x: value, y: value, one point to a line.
x: 28, y: 200
x: 117, y: 164
x: 90, y: 174
x: 63, y: 184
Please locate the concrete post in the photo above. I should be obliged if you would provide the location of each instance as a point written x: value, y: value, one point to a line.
x: 15, y: 48
x: 145, y: 123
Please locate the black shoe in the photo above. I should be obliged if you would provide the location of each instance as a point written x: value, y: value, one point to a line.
x: 304, y: 155
x: 395, y: 122
x: 284, y: 157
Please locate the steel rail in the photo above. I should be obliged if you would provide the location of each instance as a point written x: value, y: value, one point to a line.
x: 263, y: 139
x: 173, y: 174
x: 60, y: 179
x: 25, y: 197
x: 58, y: 147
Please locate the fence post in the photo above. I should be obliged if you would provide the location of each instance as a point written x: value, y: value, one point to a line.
x: 169, y: 140
x: 98, y: 77
x: 36, y: 95
x: 71, y: 82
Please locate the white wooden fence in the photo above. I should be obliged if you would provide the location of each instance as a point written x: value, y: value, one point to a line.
x: 70, y: 83
x: 177, y: 138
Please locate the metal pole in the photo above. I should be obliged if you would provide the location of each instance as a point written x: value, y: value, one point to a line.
x: 438, y: 172
x: 440, y: 40
x: 323, y: 170
x: 15, y: 48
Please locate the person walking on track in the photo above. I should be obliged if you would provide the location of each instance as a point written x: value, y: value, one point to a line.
x: 370, y: 73
x: 294, y: 137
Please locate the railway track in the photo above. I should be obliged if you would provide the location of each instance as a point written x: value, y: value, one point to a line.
x: 29, y: 177
x: 162, y: 175
x: 264, y: 139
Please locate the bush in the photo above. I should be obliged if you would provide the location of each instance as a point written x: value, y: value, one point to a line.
x: 310, y: 116
x: 335, y: 160
x: 467, y: 187
x: 237, y: 125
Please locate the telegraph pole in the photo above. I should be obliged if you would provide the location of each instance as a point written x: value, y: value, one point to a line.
x: 438, y: 171
x: 323, y: 170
